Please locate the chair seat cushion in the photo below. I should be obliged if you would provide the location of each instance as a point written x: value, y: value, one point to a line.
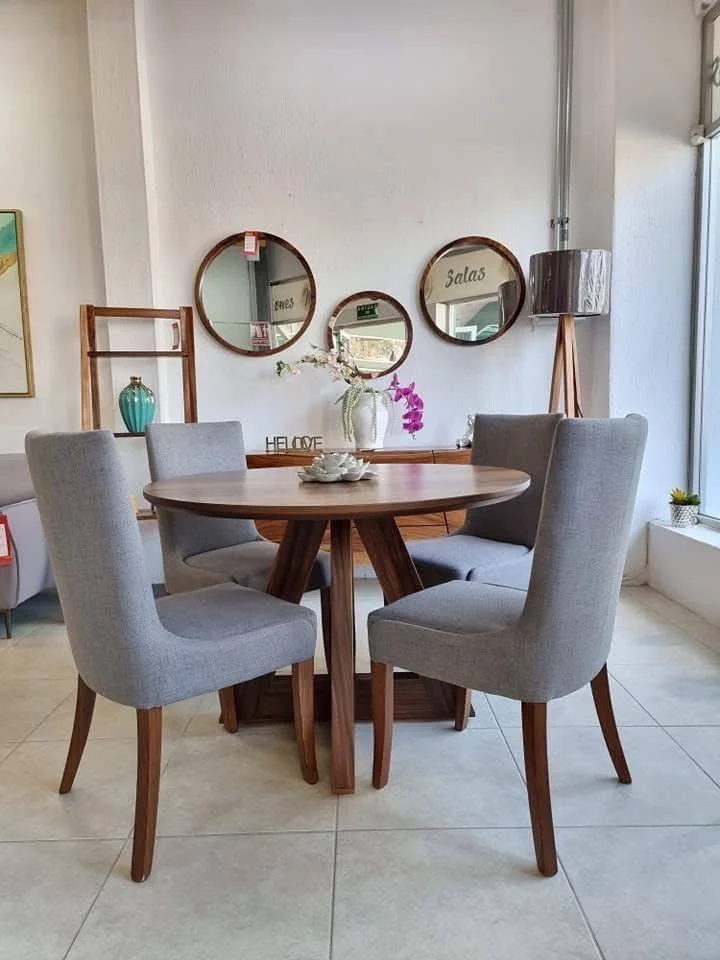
x: 228, y: 634
x: 460, y: 632
x: 515, y: 573
x: 457, y: 556
x: 249, y: 564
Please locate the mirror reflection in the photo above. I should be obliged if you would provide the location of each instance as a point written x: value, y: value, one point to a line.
x: 373, y: 330
x: 255, y: 293
x: 472, y: 290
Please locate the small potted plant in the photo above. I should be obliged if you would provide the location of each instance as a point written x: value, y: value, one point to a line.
x: 683, y: 508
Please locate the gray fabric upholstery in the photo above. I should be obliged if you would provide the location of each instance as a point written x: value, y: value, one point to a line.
x: 127, y: 647
x: 15, y: 480
x: 459, y: 556
x: 29, y: 572
x: 554, y: 639
x: 520, y: 442
x: 501, y: 440
x: 249, y: 564
x: 203, y: 551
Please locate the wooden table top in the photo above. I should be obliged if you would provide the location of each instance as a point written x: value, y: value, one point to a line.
x: 400, y: 489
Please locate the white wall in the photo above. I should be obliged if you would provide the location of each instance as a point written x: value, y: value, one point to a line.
x: 47, y: 170
x: 657, y: 56
x: 368, y: 135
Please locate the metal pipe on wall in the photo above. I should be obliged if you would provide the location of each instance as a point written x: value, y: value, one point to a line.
x: 560, y: 222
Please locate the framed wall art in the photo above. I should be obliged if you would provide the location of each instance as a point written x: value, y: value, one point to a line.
x: 16, y: 373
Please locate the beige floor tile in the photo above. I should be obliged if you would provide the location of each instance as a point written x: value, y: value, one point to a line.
x: 99, y: 806
x: 261, y: 897
x: 444, y: 894
x: 667, y: 787
x: 113, y: 721
x: 484, y: 718
x: 243, y: 783
x: 46, y: 890
x: 703, y: 745
x: 675, y: 695
x: 577, y: 710
x: 706, y: 633
x: 668, y: 609
x: 44, y: 654
x: 24, y: 704
x: 438, y: 778
x: 6, y: 749
x: 670, y: 647
x: 641, y: 619
x: 648, y: 894
x: 205, y: 721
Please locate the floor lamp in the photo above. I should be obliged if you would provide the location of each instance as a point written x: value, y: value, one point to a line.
x: 567, y: 284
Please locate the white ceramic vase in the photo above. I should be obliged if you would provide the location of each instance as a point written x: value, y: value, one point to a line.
x: 370, y: 421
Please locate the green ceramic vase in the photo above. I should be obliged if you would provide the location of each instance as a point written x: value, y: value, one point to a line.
x: 137, y: 405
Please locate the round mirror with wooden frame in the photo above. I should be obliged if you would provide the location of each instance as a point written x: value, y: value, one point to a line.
x: 255, y: 293
x: 373, y: 330
x: 472, y: 291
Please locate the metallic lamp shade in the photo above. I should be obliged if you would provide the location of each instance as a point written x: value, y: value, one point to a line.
x: 570, y: 281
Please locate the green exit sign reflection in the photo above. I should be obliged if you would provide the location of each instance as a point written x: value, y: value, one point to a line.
x: 367, y: 311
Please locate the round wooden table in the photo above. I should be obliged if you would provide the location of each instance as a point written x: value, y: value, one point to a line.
x: 400, y: 489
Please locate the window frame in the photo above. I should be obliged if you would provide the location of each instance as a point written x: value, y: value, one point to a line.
x: 702, y: 243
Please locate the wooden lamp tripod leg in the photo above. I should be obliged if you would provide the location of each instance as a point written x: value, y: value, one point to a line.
x: 565, y: 369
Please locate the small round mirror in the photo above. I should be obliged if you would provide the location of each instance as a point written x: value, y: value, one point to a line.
x: 372, y: 330
x: 255, y: 293
x: 472, y: 291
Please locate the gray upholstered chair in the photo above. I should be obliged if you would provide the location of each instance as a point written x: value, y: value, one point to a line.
x: 495, y: 543
x: 537, y: 645
x: 138, y: 651
x: 201, y: 551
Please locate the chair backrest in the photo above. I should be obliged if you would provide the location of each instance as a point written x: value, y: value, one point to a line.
x: 97, y: 558
x: 521, y: 443
x: 183, y: 449
x: 580, y: 553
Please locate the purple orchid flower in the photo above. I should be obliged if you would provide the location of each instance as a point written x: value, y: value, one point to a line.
x: 412, y: 416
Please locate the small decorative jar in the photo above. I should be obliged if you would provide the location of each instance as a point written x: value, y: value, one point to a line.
x: 683, y: 514
x: 137, y: 405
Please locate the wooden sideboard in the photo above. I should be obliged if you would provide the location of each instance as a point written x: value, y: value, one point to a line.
x: 420, y: 527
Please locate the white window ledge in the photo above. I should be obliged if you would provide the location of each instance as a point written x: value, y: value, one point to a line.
x: 700, y: 532
x: 684, y: 565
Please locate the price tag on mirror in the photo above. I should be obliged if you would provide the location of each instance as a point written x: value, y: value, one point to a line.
x: 251, y: 246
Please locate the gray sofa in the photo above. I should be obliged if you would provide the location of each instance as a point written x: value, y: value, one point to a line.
x: 29, y: 572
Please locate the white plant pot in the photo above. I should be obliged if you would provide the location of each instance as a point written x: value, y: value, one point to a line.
x: 683, y: 515
x: 370, y: 422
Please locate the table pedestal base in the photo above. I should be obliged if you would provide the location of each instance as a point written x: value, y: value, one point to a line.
x: 413, y: 700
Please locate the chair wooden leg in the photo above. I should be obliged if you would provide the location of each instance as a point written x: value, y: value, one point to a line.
x: 84, y: 707
x: 534, y: 728
x: 228, y: 709
x: 8, y: 623
x: 149, y: 748
x: 463, y: 705
x: 382, y: 713
x: 303, y: 678
x: 326, y: 620
x: 600, y: 687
